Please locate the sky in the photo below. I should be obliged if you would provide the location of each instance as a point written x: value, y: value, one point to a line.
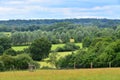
x: 59, y: 9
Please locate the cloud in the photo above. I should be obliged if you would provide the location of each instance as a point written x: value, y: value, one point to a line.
x: 13, y: 9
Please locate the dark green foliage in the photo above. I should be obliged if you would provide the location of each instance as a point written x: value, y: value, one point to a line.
x: 8, y: 62
x: 40, y: 49
x: 31, y: 25
x: 2, y: 66
x: 66, y: 62
x: 86, y: 42
x: 22, y: 61
x: 5, y: 44
x: 101, y: 53
x: 1, y: 50
x: 19, y: 62
x: 11, y: 52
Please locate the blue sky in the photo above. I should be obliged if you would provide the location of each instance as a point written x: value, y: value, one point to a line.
x: 59, y: 9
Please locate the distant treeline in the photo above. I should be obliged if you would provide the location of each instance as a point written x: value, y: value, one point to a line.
x: 47, y: 24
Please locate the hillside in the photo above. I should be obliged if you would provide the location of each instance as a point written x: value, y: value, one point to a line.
x: 31, y: 25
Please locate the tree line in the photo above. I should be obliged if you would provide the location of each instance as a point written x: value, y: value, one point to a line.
x: 48, y: 24
x: 63, y: 35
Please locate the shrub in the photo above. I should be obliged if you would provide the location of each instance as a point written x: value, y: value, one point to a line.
x: 8, y: 62
x: 1, y: 66
x: 22, y: 61
x: 10, y: 51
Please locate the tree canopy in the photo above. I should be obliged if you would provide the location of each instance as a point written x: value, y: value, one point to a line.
x: 40, y: 48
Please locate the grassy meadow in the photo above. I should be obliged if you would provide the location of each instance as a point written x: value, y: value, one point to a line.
x: 77, y: 74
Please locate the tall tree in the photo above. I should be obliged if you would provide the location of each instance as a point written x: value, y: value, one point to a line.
x: 40, y: 48
x: 5, y: 43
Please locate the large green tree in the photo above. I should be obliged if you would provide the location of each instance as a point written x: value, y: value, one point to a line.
x: 5, y: 43
x: 40, y: 48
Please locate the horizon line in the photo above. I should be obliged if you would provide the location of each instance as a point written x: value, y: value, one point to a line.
x: 57, y: 19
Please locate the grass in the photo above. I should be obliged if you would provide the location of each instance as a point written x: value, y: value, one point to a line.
x: 6, y: 33
x: 54, y: 46
x: 45, y: 64
x: 19, y: 48
x: 77, y: 74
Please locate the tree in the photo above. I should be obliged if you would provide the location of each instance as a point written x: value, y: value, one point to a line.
x: 1, y: 66
x: 40, y: 48
x: 5, y: 44
x: 53, y: 58
x: 86, y: 42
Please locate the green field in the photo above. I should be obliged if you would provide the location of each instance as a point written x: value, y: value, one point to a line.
x: 54, y: 46
x: 6, y: 33
x: 77, y: 74
x: 19, y: 48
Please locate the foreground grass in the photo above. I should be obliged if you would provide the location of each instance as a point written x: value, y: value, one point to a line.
x: 81, y: 74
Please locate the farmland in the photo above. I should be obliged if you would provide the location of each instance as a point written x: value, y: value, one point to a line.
x: 19, y: 48
x: 77, y: 74
x: 54, y: 46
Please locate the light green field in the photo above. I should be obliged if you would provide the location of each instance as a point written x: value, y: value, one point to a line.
x: 45, y: 64
x: 54, y: 46
x: 19, y: 48
x: 6, y: 33
x: 77, y: 74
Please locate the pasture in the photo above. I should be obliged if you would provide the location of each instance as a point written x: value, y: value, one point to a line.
x: 77, y: 74
x: 19, y: 48
x: 54, y: 46
x: 6, y: 33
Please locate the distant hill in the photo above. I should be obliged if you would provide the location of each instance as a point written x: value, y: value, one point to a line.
x: 26, y: 25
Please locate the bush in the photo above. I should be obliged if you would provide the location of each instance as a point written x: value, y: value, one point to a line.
x: 66, y: 62
x: 1, y: 50
x: 60, y: 49
x: 10, y: 51
x: 1, y: 66
x: 22, y: 61
x: 19, y: 62
x: 5, y: 43
x: 8, y: 62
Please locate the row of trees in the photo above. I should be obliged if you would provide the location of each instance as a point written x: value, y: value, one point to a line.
x: 63, y: 36
x: 50, y: 24
x: 102, y: 52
